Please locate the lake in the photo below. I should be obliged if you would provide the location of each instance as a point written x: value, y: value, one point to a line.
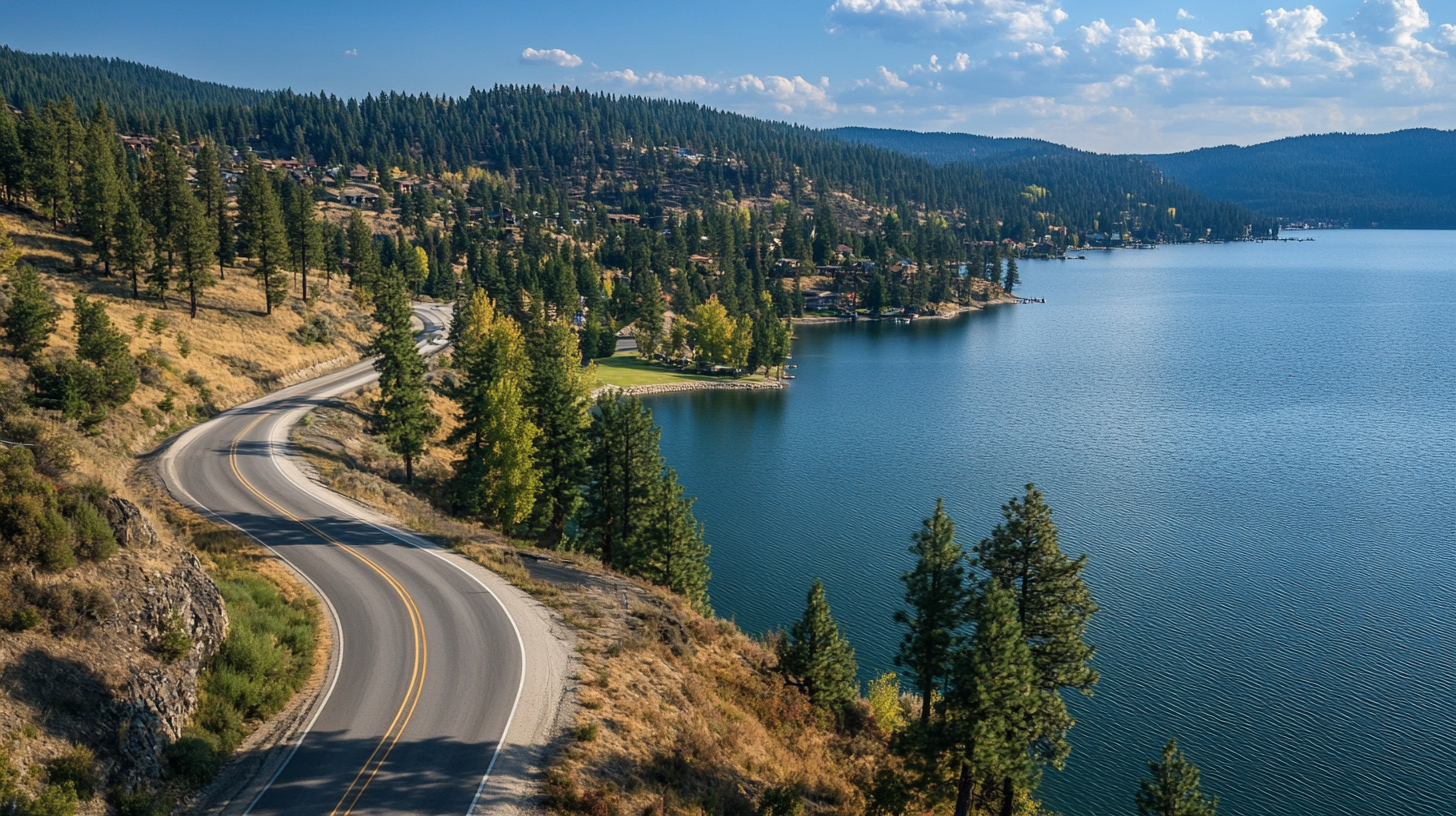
x: 1254, y: 444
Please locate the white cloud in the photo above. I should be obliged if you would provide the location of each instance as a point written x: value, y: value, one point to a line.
x: 553, y: 56
x: 787, y: 95
x: 654, y: 82
x: 1185, y: 14
x: 961, y: 20
x: 352, y: 52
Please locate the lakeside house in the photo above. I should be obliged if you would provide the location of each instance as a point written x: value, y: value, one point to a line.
x: 820, y: 301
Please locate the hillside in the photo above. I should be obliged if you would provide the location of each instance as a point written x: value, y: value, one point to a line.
x: 581, y: 142
x: 1395, y: 180
x: 1385, y: 180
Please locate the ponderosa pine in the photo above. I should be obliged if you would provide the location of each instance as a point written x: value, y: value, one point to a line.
x: 938, y: 605
x: 817, y: 658
x: 1174, y: 788
x: 402, y: 414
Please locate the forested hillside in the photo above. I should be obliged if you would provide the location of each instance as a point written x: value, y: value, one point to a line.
x: 573, y: 139
x: 1393, y: 180
x: 1404, y: 179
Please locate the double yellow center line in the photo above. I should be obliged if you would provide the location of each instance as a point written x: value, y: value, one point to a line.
x: 411, y: 699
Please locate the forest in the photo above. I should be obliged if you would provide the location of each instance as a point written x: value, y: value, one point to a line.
x: 1352, y: 180
x: 578, y: 141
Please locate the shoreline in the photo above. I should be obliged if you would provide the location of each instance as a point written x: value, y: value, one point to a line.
x: 690, y: 385
x: 773, y: 385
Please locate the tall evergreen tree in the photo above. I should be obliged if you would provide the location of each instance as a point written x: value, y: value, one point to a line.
x: 164, y: 193
x: 196, y: 245
x: 31, y: 317
x: 131, y: 253
x: 939, y: 606
x: 991, y: 702
x: 559, y: 396
x: 1053, y: 607
x: 101, y: 344
x: 669, y: 550
x: 45, y: 169
x: 817, y: 658
x: 624, y: 466
x: 495, y: 477
x: 212, y: 192
x: 261, y: 234
x: 1173, y: 789
x: 304, y: 237
x: 12, y: 157
x: 100, y: 188
x: 650, y: 311
x: 402, y: 414
x: 364, y: 267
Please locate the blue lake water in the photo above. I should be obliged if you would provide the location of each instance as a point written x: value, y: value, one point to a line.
x: 1255, y: 445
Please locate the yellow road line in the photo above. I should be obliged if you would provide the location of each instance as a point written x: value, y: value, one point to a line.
x: 421, y: 644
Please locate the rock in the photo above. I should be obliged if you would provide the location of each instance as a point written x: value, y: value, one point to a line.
x: 131, y: 527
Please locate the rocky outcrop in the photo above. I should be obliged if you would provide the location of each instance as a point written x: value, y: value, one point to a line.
x: 131, y: 528
x: 157, y: 702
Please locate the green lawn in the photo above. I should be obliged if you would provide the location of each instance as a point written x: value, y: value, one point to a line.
x: 625, y: 369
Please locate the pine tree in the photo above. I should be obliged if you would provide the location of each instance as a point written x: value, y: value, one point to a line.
x: 939, y: 606
x: 12, y: 157
x: 364, y: 267
x: 625, y: 463
x: 31, y: 317
x: 100, y: 188
x: 559, y: 396
x: 1013, y: 277
x: 212, y: 192
x: 817, y: 658
x: 991, y: 703
x: 101, y: 344
x: 196, y: 245
x: 669, y: 550
x: 261, y: 234
x: 495, y: 477
x: 164, y: 194
x: 650, y: 311
x: 1053, y: 608
x: 304, y: 238
x: 131, y: 239
x: 45, y: 169
x: 402, y: 414
x: 1173, y: 789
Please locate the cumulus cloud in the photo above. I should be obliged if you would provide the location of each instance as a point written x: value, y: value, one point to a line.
x: 552, y: 56
x: 1185, y: 14
x: 962, y: 20
x: 654, y: 82
x: 1288, y: 70
x: 352, y: 52
x: 779, y: 94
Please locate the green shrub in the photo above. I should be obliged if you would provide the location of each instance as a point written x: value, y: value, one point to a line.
x: 316, y: 329
x: 22, y: 619
x: 54, y: 800
x: 76, y: 768
x: 191, y: 762
x: 174, y: 642
x: 142, y: 803
x: 588, y: 732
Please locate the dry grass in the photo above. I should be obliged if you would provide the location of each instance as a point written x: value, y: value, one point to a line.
x: 233, y: 352
x: 51, y: 684
x: 677, y: 713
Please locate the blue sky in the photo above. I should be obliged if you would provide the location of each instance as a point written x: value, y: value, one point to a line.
x: 1137, y: 76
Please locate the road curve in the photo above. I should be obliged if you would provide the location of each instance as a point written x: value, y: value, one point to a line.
x: 428, y: 664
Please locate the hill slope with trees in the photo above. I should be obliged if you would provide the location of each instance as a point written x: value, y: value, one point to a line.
x: 1385, y: 180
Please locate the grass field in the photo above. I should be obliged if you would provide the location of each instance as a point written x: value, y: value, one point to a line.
x: 626, y: 369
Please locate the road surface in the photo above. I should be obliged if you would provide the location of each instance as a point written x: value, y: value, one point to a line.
x: 428, y: 664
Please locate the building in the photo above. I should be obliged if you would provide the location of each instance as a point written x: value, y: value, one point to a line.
x: 360, y: 173
x: 821, y: 301
x: 358, y: 197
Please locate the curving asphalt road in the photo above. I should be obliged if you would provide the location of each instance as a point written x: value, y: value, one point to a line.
x: 428, y: 664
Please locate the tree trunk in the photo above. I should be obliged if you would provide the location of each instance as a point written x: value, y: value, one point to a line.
x: 409, y: 469
x: 192, y: 297
x: 963, y: 791
x: 1008, y: 795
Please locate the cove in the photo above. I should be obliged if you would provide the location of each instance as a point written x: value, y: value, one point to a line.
x: 1254, y: 444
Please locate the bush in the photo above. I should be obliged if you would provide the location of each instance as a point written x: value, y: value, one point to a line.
x: 76, y: 768
x: 174, y: 642
x: 54, y: 800
x: 588, y: 732
x: 316, y: 329
x: 142, y: 803
x: 191, y: 762
x: 22, y: 619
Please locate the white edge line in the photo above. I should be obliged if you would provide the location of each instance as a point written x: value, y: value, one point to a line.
x: 338, y: 626
x: 413, y: 541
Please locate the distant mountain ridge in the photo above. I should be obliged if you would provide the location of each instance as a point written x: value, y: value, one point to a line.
x: 1403, y: 179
